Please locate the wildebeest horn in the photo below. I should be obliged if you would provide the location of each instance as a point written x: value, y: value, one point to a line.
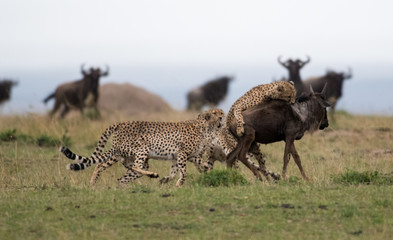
x: 106, y: 71
x: 349, y: 75
x: 280, y: 62
x: 308, y: 60
x: 311, y: 89
x: 305, y: 62
x: 82, y: 69
x: 323, y: 92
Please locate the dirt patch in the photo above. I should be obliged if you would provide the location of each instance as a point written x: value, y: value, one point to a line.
x: 129, y: 100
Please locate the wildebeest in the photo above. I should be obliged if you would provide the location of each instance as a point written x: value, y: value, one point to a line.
x: 334, y: 81
x: 278, y: 120
x: 211, y: 93
x: 74, y: 94
x: 5, y: 89
x: 294, y: 67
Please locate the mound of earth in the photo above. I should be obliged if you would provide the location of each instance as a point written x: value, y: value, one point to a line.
x: 130, y: 100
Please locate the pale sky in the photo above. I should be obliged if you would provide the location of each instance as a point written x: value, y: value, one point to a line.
x: 171, y: 46
x: 49, y: 33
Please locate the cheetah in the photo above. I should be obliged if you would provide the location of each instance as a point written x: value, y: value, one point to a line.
x: 281, y: 90
x: 128, y: 162
x: 140, y: 140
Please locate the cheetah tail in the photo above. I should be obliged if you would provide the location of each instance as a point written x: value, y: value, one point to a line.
x: 96, y: 157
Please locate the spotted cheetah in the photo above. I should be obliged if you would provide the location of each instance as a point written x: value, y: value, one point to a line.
x: 201, y: 166
x: 282, y: 90
x: 140, y: 140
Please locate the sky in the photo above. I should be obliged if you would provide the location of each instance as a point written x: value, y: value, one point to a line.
x: 170, y: 46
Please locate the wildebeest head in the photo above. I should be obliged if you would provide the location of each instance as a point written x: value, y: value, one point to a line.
x: 335, y: 82
x: 94, y: 75
x: 293, y: 65
x: 316, y: 104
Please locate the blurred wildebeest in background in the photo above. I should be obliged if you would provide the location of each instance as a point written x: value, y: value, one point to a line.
x: 74, y: 94
x: 334, y: 81
x: 211, y: 93
x: 293, y: 67
x: 5, y: 89
x: 278, y: 120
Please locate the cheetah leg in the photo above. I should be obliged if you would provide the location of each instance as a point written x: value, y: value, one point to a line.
x: 102, y: 167
x: 172, y: 173
x: 239, y: 122
x: 128, y: 176
x: 181, y: 165
x: 141, y: 159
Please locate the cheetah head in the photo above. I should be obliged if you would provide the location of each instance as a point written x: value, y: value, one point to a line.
x: 286, y: 91
x: 214, y: 118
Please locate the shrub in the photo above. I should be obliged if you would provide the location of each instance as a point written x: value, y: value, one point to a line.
x: 225, y: 177
x: 8, y: 135
x: 47, y: 141
x: 354, y: 178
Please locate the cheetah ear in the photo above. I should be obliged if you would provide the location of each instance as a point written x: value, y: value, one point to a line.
x: 207, y: 116
x: 280, y: 88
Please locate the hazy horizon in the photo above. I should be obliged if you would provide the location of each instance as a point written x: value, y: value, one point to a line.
x: 171, y: 46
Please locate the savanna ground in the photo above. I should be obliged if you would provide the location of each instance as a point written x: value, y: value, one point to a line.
x: 350, y: 195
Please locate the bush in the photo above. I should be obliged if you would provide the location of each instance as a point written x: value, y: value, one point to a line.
x: 355, y: 178
x: 42, y: 140
x: 225, y: 177
x: 47, y: 141
x: 8, y: 135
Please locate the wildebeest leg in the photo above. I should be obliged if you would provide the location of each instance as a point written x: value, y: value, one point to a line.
x: 247, y: 140
x: 296, y: 157
x: 64, y: 111
x: 287, y: 152
x: 55, y: 107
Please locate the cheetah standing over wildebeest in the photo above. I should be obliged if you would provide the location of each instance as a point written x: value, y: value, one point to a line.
x: 226, y: 142
x: 276, y: 90
x: 141, y: 140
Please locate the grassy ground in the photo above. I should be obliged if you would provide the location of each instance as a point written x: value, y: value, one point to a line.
x: 350, y: 195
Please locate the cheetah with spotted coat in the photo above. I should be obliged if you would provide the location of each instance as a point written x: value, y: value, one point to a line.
x: 140, y: 140
x: 281, y: 90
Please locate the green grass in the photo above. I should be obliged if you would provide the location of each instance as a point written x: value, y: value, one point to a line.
x: 350, y: 195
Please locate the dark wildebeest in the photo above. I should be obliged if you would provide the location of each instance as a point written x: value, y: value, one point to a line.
x: 210, y: 93
x: 276, y: 121
x: 334, y: 81
x: 5, y: 89
x: 294, y: 67
x: 74, y: 94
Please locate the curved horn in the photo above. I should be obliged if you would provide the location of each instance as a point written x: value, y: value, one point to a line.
x: 349, y: 75
x: 323, y: 92
x: 305, y: 62
x: 280, y: 62
x: 311, y: 89
x: 82, y: 69
x: 106, y: 73
x: 308, y: 59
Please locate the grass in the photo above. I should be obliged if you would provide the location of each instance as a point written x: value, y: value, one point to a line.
x: 349, y: 197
